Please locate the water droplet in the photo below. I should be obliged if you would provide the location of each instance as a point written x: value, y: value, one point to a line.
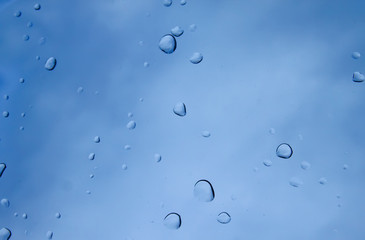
x: 131, y: 125
x: 15, y: 214
x: 2, y: 168
x: 167, y: 44
x: 295, y: 182
x: 21, y: 80
x: 224, y: 218
x: 127, y: 147
x: 29, y: 24
x: 50, y: 64
x: 80, y: 90
x: 172, y: 221
x: 345, y: 167
x: 22, y: 114
x: 6, y: 97
x: 272, y: 131
x: 91, y: 156
x: 192, y: 27
x: 206, y: 134
x: 140, y: 43
x: 58, y: 215
x: 180, y: 109
x: 49, y: 234
x: 305, y: 165
x: 5, y: 114
x: 37, y: 58
x: 5, y: 202
x: 26, y: 37
x: 21, y: 128
x: 158, y: 157
x: 322, y: 180
x: 356, y: 55
x: 42, y: 40
x: 5, y: 234
x: 96, y: 139
x: 25, y: 216
x: 284, y: 151
x: 88, y: 192
x: 203, y: 191
x: 358, y: 77
x: 267, y: 163
x: 17, y: 13
x: 177, y: 31
x: 130, y: 114
x: 37, y: 6
x: 182, y: 2
x: 124, y: 166
x: 141, y: 99
x: 196, y: 58
x: 167, y: 3
x: 146, y: 64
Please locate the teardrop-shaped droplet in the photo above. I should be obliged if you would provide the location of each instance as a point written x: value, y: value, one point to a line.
x: 58, y: 215
x: 204, y: 191
x: 5, y: 202
x: 180, y: 109
x: 96, y: 139
x: 177, y: 31
x: 131, y: 125
x: 295, y: 182
x: 17, y: 13
x: 206, y: 134
x: 5, y: 234
x: 158, y: 157
x: 2, y: 168
x: 196, y: 58
x: 167, y: 44
x: 284, y: 151
x: 322, y: 180
x: 224, y: 218
x: 91, y: 156
x: 5, y: 114
x: 358, y: 77
x: 305, y: 165
x: 356, y: 55
x: 172, y: 221
x: 49, y: 234
x: 167, y: 3
x: 50, y: 64
x: 37, y: 6
x: 267, y: 163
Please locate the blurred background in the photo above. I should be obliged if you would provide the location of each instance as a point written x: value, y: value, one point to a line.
x: 272, y: 72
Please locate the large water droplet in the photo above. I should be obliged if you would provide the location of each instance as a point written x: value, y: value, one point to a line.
x: 295, y: 182
x: 224, y: 218
x: 204, y: 191
x: 50, y: 64
x: 177, y: 31
x: 196, y: 58
x: 5, y: 114
x: 91, y: 156
x: 172, y: 221
x: 167, y: 44
x: 5, y: 202
x: 37, y: 6
x: 305, y: 165
x: 206, y: 134
x: 96, y: 139
x: 284, y: 151
x: 358, y: 77
x: 158, y: 157
x: 180, y: 109
x: 49, y: 234
x: 2, y: 168
x: 167, y: 3
x: 356, y: 55
x: 322, y: 180
x: 131, y: 125
x: 17, y: 13
x: 5, y: 234
x: 267, y: 163
x: 58, y: 215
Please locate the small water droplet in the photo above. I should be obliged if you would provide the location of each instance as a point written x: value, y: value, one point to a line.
x: 300, y: 137
x: 16, y: 214
x: 158, y: 157
x: 91, y: 176
x: 21, y: 80
x: 196, y: 58
x: 272, y: 131
x: 130, y: 114
x: 17, y: 13
x: 167, y: 44
x: 345, y: 167
x: 21, y: 128
x: 224, y: 218
x: 22, y: 114
x: 2, y: 168
x: 58, y: 215
x: 96, y: 139
x: 37, y: 58
x: 192, y: 27
x: 267, y: 163
x: 50, y: 64
x: 49, y: 234
x: 5, y: 114
x: 182, y: 2
x: 80, y: 90
x: 356, y: 55
x: 131, y: 125
x: 305, y: 165
x: 91, y: 156
x: 5, y: 202
x: 124, y: 166
x: 284, y: 151
x: 29, y: 24
x: 141, y: 99
x: 127, y: 147
x: 204, y: 191
x: 5, y: 234
x: 295, y: 182
x: 180, y: 109
x: 146, y: 64
x: 88, y: 192
x: 25, y: 216
x: 322, y: 180
x: 37, y: 6
x: 358, y: 77
x: 6, y: 97
x: 177, y: 31
x: 167, y: 3
x: 172, y: 221
x: 42, y: 40
x: 206, y: 134
x: 26, y: 37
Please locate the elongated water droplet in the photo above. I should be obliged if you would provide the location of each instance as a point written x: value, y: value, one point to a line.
x: 177, y: 31
x: 284, y: 151
x: 358, y: 77
x: 267, y: 163
x: 206, y: 134
x: 96, y: 139
x: 305, y: 165
x: 5, y: 202
x: 131, y: 125
x: 91, y: 156
x: 50, y: 64
x: 2, y: 168
x: 37, y: 6
x: 322, y: 180
x: 180, y: 109
x: 167, y: 3
x: 172, y: 221
x: 196, y: 58
x: 25, y: 216
x: 167, y: 44
x: 17, y: 13
x: 356, y: 55
x: 21, y: 128
x: 224, y: 218
x: 58, y: 215
x: 295, y: 182
x: 204, y: 191
x: 158, y: 157
x: 5, y: 234
x: 49, y: 234
x: 5, y: 114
